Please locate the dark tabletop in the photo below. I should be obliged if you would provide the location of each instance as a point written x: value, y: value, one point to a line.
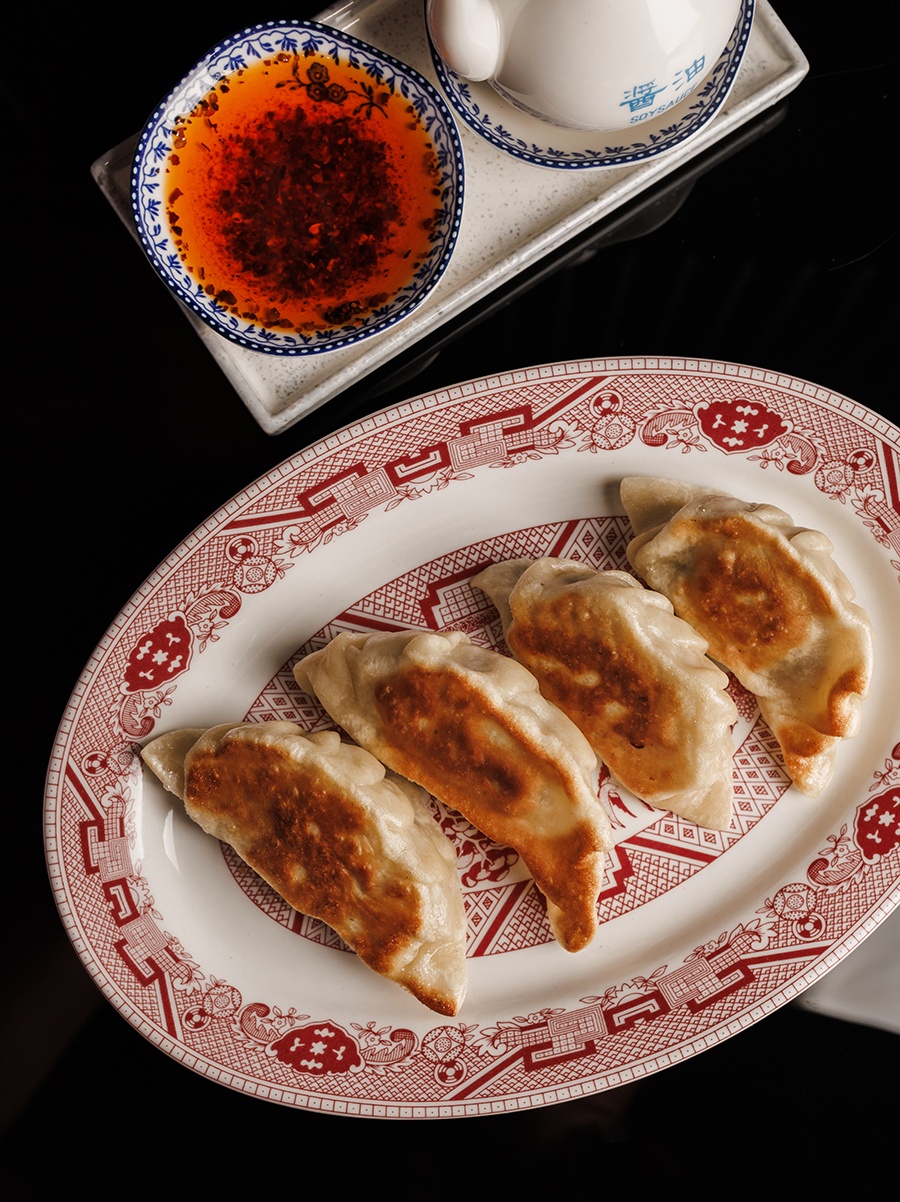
x: 783, y: 255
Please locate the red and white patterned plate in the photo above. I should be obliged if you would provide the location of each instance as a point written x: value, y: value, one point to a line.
x: 382, y: 525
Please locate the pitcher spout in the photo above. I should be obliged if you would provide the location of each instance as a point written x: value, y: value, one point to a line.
x: 467, y: 35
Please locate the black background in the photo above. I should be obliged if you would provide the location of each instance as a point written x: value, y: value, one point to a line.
x: 782, y: 255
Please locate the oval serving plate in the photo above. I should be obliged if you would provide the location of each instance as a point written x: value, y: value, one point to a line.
x: 382, y: 526
x: 346, y: 85
x: 654, y: 130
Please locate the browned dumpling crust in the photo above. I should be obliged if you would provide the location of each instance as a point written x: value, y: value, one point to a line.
x: 337, y: 838
x: 471, y: 727
x: 771, y: 602
x: 633, y: 677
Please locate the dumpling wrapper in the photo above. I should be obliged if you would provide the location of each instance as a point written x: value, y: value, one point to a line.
x: 771, y: 602
x: 470, y: 726
x: 337, y: 837
x: 633, y: 678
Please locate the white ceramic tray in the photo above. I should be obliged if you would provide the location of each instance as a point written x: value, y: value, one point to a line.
x: 516, y: 212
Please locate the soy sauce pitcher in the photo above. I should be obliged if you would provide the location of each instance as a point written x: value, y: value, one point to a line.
x: 585, y: 64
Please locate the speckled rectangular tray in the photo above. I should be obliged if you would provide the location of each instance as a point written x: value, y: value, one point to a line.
x: 512, y: 218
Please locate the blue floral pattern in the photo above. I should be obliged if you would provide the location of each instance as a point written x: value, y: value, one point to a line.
x: 240, y: 51
x: 688, y: 117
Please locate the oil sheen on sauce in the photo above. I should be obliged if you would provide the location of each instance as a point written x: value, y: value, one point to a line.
x: 302, y: 194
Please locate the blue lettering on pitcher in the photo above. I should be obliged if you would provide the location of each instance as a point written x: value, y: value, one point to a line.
x: 642, y: 97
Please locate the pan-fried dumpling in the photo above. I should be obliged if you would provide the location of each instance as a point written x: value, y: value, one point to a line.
x: 470, y: 726
x: 772, y: 604
x: 337, y: 837
x: 632, y: 677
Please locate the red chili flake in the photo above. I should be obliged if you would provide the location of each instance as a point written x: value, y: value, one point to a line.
x: 305, y: 209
